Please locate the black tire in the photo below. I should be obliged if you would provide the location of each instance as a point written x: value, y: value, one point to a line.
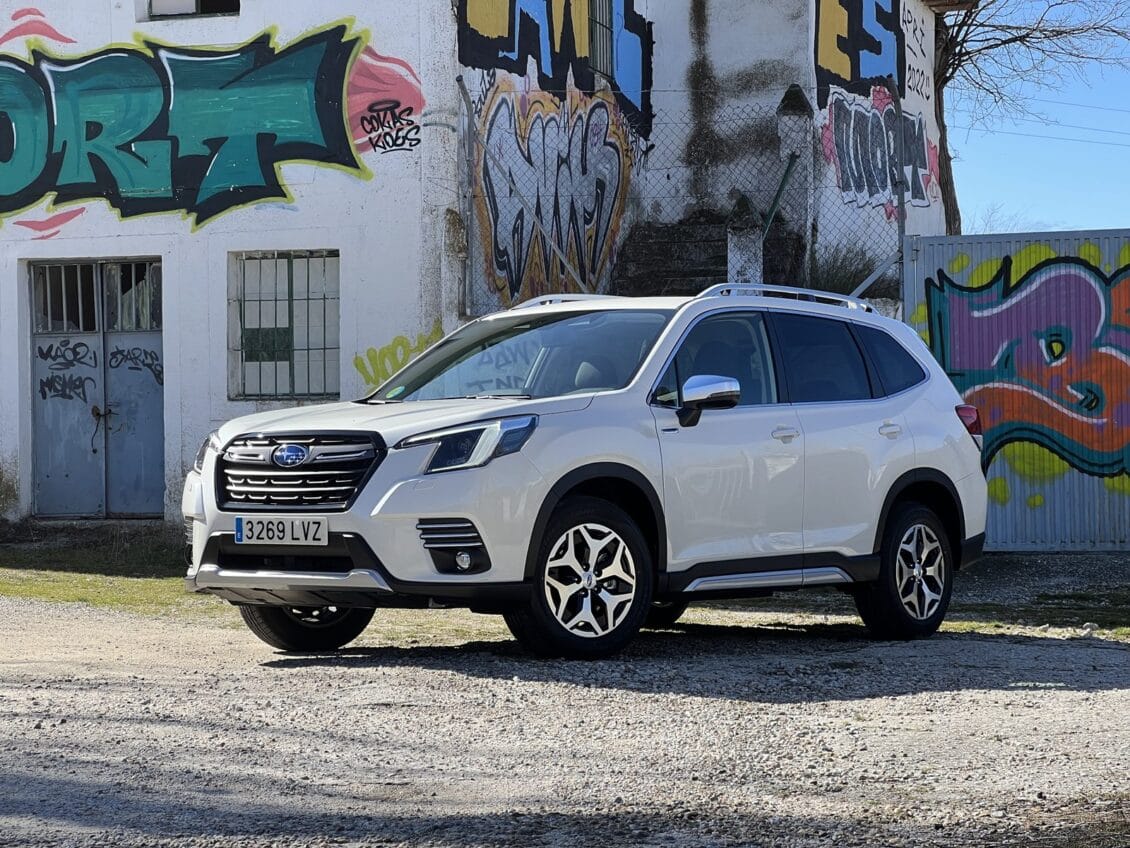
x: 537, y: 626
x: 306, y: 629
x: 881, y: 604
x: 664, y: 614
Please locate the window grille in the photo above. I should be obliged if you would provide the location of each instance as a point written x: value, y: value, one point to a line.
x: 600, y: 37
x: 67, y: 297
x: 284, y: 321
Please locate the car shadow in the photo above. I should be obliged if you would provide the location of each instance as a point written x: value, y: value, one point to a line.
x: 778, y: 663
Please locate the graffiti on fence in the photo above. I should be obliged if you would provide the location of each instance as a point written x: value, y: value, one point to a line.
x: 201, y: 131
x: 1043, y: 350
x: 378, y: 365
x: 506, y: 34
x: 569, y: 163
x: 858, y: 44
x: 861, y: 138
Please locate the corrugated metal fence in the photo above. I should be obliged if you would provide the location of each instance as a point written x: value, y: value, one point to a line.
x: 1034, y: 329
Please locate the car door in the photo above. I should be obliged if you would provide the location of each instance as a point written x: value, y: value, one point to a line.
x: 733, y: 483
x: 857, y: 442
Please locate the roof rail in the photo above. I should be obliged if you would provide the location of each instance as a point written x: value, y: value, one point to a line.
x: 812, y: 295
x: 550, y: 299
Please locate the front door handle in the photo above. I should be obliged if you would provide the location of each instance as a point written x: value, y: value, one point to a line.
x: 785, y: 434
x: 891, y: 431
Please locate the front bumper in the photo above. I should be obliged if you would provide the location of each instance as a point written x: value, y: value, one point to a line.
x: 346, y: 573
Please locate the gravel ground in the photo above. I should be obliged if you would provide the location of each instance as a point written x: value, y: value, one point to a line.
x: 764, y: 727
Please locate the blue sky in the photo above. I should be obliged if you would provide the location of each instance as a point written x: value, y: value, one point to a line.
x: 1020, y: 174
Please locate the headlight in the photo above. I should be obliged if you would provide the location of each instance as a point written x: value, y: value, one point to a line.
x: 474, y: 445
x: 213, y: 443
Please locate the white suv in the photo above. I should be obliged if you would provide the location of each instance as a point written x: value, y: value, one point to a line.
x: 586, y: 465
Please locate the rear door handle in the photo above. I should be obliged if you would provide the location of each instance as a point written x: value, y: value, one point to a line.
x: 891, y: 431
x: 785, y: 434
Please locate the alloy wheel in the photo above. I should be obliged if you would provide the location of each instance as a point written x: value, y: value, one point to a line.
x: 590, y: 580
x: 921, y: 572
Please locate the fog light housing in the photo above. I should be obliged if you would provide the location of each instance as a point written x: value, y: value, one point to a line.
x: 464, y: 561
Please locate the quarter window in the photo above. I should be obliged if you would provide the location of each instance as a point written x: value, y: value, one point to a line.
x: 284, y: 320
x: 821, y: 360
x: 898, y: 370
x: 731, y: 345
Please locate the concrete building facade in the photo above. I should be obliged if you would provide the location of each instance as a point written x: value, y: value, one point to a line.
x: 211, y: 207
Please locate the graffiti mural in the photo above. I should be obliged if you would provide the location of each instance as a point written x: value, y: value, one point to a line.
x: 504, y: 35
x: 860, y: 138
x: 858, y: 44
x: 571, y: 162
x: 377, y: 366
x: 1043, y: 351
x: 154, y: 128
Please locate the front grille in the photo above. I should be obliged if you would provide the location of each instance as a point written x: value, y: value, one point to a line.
x: 439, y: 534
x: 337, y: 467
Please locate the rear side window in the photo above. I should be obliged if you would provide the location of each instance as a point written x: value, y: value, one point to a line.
x: 821, y: 360
x: 898, y: 370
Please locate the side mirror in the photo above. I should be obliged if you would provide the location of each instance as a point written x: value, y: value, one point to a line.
x: 707, y: 391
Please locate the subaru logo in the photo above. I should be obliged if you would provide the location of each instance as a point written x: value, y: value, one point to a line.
x: 289, y: 456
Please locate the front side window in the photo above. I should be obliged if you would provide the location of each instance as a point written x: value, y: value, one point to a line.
x: 284, y: 322
x: 732, y: 345
x: 541, y: 356
x: 821, y: 361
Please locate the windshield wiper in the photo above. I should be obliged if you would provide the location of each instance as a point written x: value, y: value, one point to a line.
x: 498, y: 397
x: 379, y: 400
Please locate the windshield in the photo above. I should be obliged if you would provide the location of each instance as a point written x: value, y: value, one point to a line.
x: 539, y: 356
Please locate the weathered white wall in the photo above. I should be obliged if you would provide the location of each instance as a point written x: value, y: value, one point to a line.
x: 387, y: 218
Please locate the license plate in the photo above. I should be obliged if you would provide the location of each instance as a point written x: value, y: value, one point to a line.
x: 280, y: 530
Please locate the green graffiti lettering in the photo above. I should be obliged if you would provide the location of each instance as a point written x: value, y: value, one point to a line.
x: 160, y: 129
x: 102, y: 109
x: 248, y: 108
x: 24, y: 130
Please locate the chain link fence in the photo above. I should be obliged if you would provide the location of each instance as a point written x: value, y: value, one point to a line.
x: 565, y: 195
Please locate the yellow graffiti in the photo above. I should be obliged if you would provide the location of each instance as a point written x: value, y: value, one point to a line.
x: 490, y: 18
x: 1035, y: 502
x: 1023, y: 261
x: 377, y: 366
x: 1091, y: 253
x: 494, y: 19
x: 920, y: 315
x: 1034, y: 462
x: 1119, y: 485
x: 960, y: 263
x: 833, y: 26
x: 998, y: 491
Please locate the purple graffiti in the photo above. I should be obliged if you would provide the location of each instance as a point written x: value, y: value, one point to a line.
x: 1046, y: 360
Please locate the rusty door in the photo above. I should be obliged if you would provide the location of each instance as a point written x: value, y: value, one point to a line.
x: 98, y: 383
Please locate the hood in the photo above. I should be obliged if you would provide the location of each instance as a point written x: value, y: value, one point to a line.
x: 395, y: 421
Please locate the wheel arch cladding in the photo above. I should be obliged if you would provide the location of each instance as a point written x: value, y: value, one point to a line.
x: 934, y: 490
x: 619, y: 484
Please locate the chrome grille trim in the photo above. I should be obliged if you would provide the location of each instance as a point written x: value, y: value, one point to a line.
x: 449, y: 534
x: 329, y: 480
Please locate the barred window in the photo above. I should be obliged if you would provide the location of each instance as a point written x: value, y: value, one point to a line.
x: 170, y: 8
x: 284, y: 321
x: 600, y: 37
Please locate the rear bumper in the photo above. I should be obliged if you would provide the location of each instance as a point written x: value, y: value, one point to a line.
x: 346, y: 573
x: 972, y: 550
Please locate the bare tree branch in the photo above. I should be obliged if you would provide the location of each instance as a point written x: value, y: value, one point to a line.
x: 995, y: 54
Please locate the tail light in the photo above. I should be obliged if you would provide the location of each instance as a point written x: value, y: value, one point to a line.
x: 971, y: 418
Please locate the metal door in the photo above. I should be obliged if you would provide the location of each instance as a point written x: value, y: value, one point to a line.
x: 98, y: 380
